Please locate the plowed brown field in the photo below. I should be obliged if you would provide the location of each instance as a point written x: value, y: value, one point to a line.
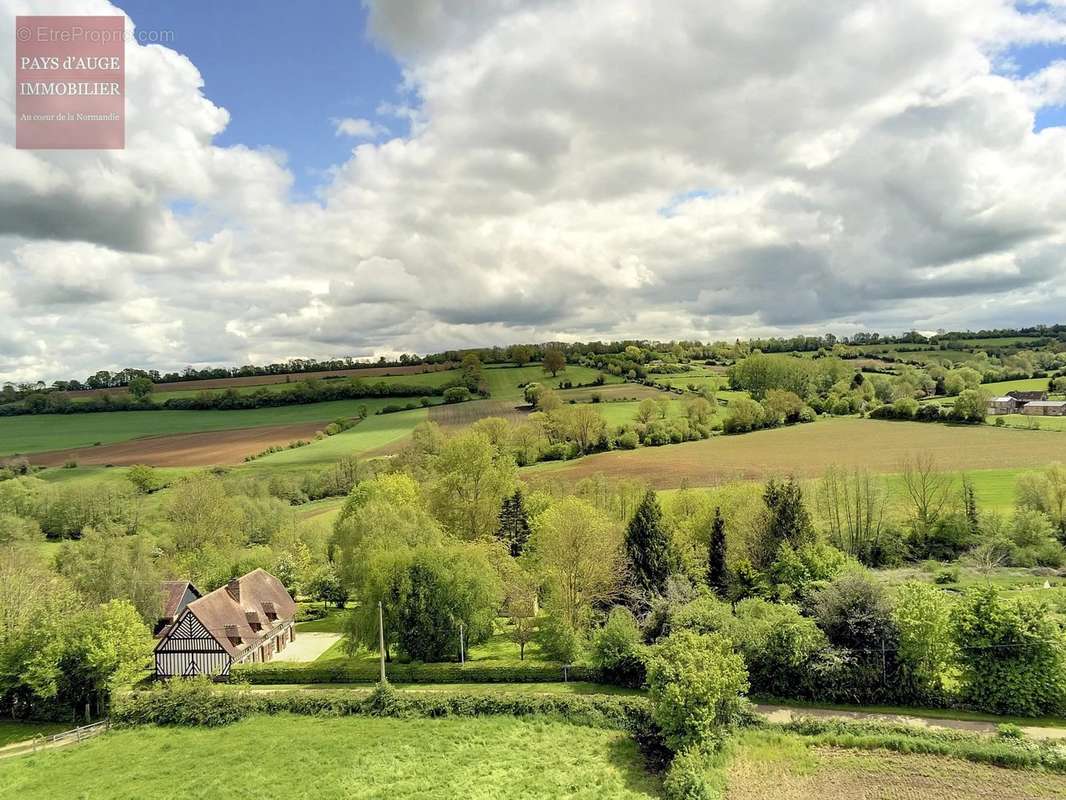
x: 183, y: 450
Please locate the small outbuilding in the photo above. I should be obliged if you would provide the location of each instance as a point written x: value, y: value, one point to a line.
x: 1004, y: 405
x: 1045, y: 408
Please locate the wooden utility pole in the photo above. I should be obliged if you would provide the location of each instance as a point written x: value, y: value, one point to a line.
x: 462, y: 655
x: 381, y: 640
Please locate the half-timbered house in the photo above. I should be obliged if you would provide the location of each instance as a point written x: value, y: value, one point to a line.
x: 247, y: 620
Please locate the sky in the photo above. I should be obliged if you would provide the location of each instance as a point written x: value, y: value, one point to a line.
x: 420, y: 175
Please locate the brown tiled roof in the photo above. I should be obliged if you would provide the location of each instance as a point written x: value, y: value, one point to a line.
x: 219, y: 612
x: 173, y: 591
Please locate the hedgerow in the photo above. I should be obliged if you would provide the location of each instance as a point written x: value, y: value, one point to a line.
x: 411, y: 673
x: 199, y: 703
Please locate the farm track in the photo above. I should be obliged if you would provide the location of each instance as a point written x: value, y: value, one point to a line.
x: 807, y: 450
x: 268, y: 380
x: 183, y: 449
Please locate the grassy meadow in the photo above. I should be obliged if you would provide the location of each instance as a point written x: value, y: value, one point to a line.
x: 352, y: 758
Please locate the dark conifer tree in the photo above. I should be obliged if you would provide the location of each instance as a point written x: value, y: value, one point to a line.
x: 717, y: 572
x: 788, y: 520
x: 514, y: 523
x: 648, y: 548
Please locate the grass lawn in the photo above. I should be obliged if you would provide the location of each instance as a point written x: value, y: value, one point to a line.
x: 11, y: 732
x: 351, y: 758
x: 331, y: 623
x: 497, y: 651
x: 40, y: 432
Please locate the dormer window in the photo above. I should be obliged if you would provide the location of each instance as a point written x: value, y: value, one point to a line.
x: 253, y: 620
x: 233, y: 634
x: 270, y: 611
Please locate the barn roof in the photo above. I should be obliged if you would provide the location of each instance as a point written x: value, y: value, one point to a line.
x: 220, y: 612
x: 1046, y: 404
x: 1042, y: 395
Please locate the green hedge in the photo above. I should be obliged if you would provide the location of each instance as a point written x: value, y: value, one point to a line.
x: 198, y: 703
x: 410, y: 673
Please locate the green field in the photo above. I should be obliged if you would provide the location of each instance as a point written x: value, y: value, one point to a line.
x: 352, y: 758
x: 504, y: 382
x: 1026, y: 422
x: 40, y: 432
x: 370, y: 434
x: 1023, y: 385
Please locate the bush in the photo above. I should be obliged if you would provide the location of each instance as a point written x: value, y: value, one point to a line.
x: 559, y: 641
x: 694, y: 775
x: 181, y: 702
x: 617, y: 650
x: 1012, y: 655
x: 695, y: 682
x: 456, y: 394
x: 946, y: 576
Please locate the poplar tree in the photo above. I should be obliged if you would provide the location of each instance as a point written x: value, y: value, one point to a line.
x: 648, y: 548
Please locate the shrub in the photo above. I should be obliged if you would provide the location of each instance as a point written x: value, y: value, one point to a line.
x: 695, y: 682
x: 1012, y: 655
x: 456, y: 394
x: 559, y: 641
x: 946, y: 576
x: 694, y: 775
x: 617, y: 650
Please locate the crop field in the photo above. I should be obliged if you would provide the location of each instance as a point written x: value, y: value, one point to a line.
x: 371, y: 434
x: 40, y: 433
x: 332, y: 758
x: 267, y: 380
x: 806, y: 450
x: 778, y: 769
x: 459, y: 415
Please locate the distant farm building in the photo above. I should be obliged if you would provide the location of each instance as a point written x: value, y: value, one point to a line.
x: 1004, y: 405
x: 247, y: 620
x: 1027, y: 397
x: 1045, y: 408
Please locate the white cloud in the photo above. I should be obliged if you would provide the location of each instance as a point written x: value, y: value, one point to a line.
x: 835, y: 164
x: 358, y: 128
